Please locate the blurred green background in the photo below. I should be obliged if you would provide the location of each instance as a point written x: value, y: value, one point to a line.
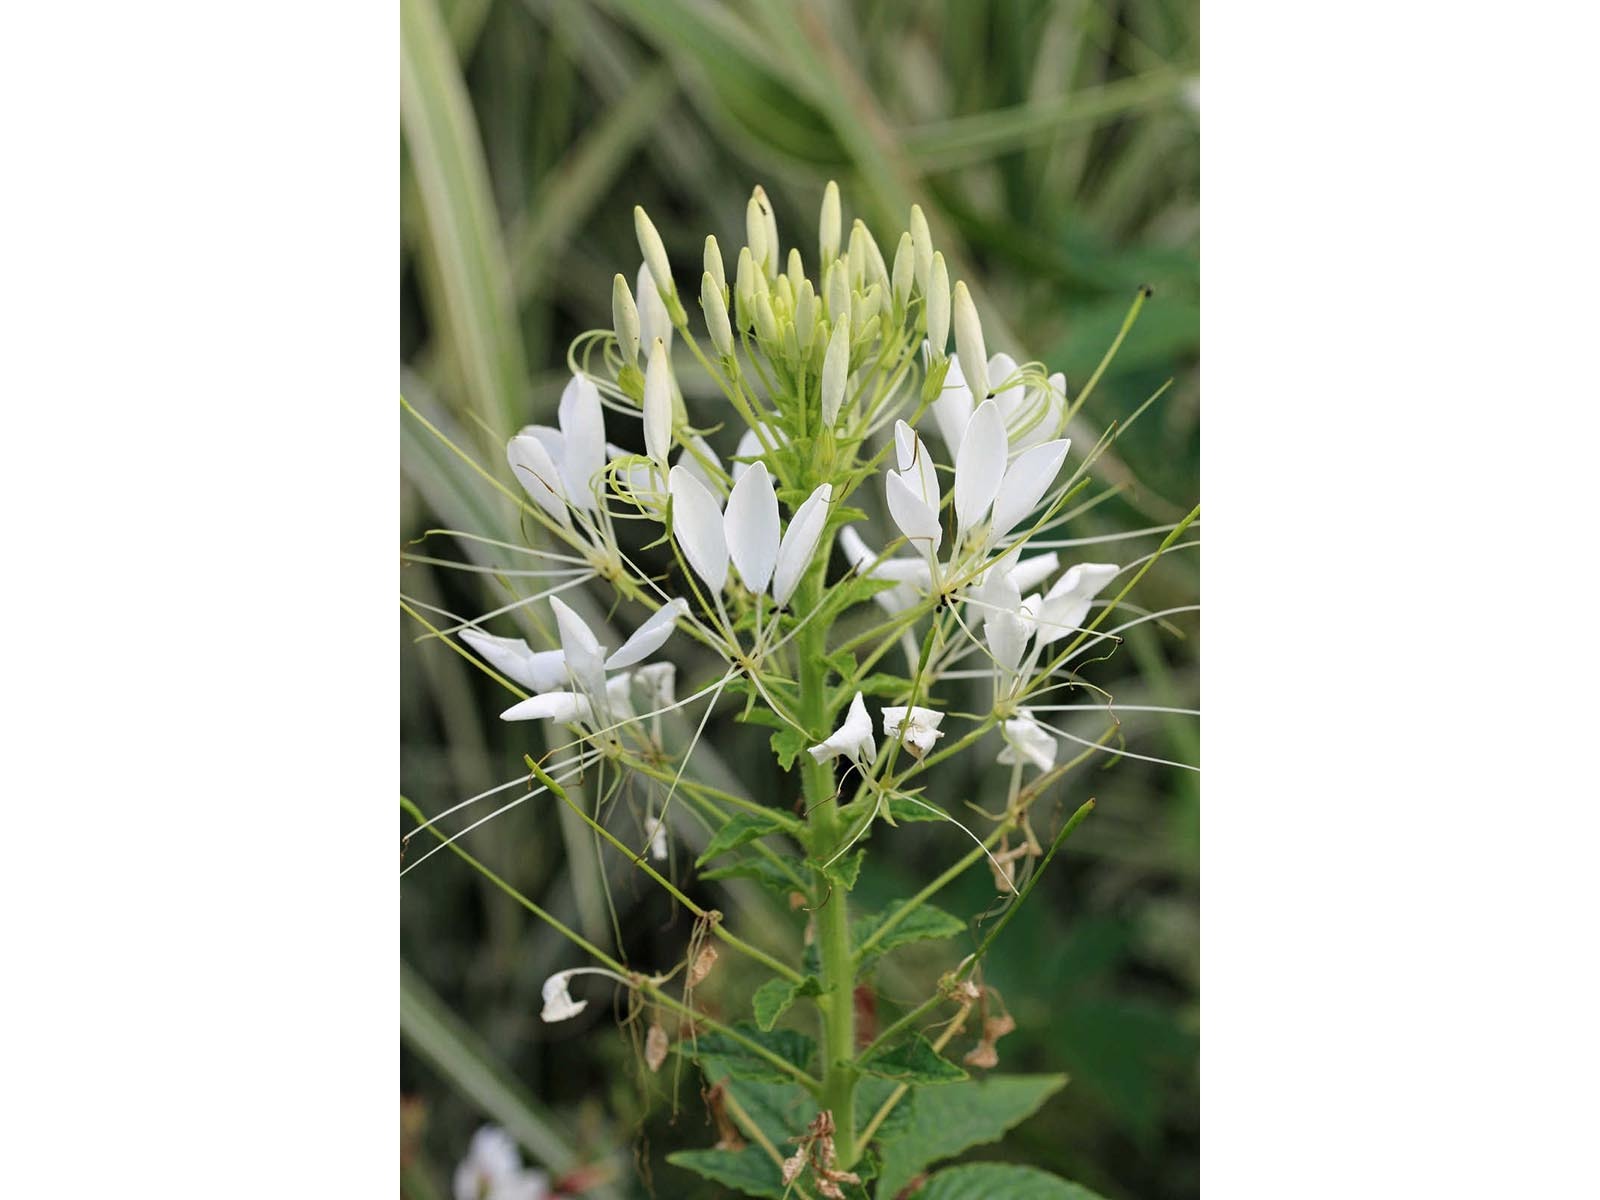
x: 1054, y: 146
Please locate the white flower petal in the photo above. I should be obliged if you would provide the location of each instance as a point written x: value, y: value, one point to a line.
x: 583, y: 436
x: 539, y: 476
x: 916, y: 464
x: 619, y: 698
x: 749, y: 447
x: 1025, y: 483
x: 654, y: 320
x: 658, y: 404
x: 853, y: 739
x: 750, y: 527
x: 649, y: 637
x: 656, y: 683
x: 697, y: 524
x: 980, y: 465
x: 655, y: 830
x: 584, y: 654
x: 916, y: 520
x: 565, y: 707
x: 952, y: 409
x: 690, y: 462
x: 1029, y: 573
x: 538, y: 671
x: 1007, y: 400
x: 800, y: 542
x: 1067, y: 603
x: 921, y: 726
x: 558, y: 1002
x: 1007, y: 636
x: 1027, y: 742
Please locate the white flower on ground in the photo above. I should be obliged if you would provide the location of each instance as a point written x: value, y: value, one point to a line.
x: 853, y: 739
x: 558, y: 1002
x: 921, y: 727
x: 493, y: 1170
x: 1066, y: 604
x: 1027, y: 742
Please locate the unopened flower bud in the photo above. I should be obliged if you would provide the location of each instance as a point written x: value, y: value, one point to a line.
x: 904, y: 272
x: 872, y: 265
x: 797, y: 269
x: 770, y: 220
x: 713, y: 263
x: 745, y: 286
x: 835, y: 368
x: 836, y: 289
x: 655, y: 257
x: 766, y: 321
x: 755, y: 235
x: 625, y: 320
x: 658, y: 404
x: 922, y: 244
x: 716, y: 311
x: 829, y: 225
x: 937, y: 293
x: 805, y: 314
x: 864, y: 307
x: 969, y: 342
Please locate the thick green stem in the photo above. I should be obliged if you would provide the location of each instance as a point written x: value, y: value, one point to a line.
x: 837, y: 1001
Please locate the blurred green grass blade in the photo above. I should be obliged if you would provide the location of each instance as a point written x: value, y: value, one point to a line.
x: 583, y: 178
x: 473, y: 302
x: 464, y: 19
x: 754, y: 88
x: 439, y: 1036
x: 963, y: 140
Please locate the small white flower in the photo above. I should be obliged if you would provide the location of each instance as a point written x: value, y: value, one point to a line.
x: 853, y: 739
x: 921, y: 726
x: 536, y: 670
x: 582, y: 658
x: 1066, y: 604
x: 655, y: 830
x: 697, y: 525
x: 584, y: 654
x: 912, y: 491
x: 1027, y: 742
x: 657, y: 684
x: 912, y: 576
x: 491, y: 1167
x: 564, y: 707
x: 538, y: 474
x: 558, y: 1002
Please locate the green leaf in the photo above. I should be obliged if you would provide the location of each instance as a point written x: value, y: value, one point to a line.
x: 787, y: 744
x: 846, y: 871
x: 944, y: 1121
x: 749, y: 1171
x: 776, y: 995
x: 914, y: 1061
x: 925, y: 923
x: 902, y: 809
x: 763, y: 870
x: 720, y: 1057
x: 744, y: 827
x: 983, y: 1181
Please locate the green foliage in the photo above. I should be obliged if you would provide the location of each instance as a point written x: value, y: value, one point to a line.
x: 913, y: 1061
x: 720, y: 1057
x: 939, y: 1123
x: 750, y: 1170
x: 741, y: 828
x: 775, y: 996
x: 926, y: 922
x: 985, y: 1181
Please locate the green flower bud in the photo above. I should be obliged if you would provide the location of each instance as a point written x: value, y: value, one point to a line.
x: 969, y: 342
x: 922, y: 242
x: 835, y: 369
x: 716, y: 310
x: 713, y: 264
x: 904, y: 268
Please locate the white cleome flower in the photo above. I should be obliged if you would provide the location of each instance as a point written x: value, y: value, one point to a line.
x: 536, y: 670
x: 920, y: 725
x: 911, y: 576
x: 1067, y: 602
x: 493, y: 1170
x: 747, y: 533
x: 558, y: 1002
x: 853, y: 739
x: 560, y: 467
x: 1027, y: 742
x: 655, y: 831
